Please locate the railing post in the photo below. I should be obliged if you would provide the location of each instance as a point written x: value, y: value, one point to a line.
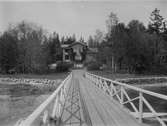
x: 64, y: 90
x: 45, y: 118
x: 111, y: 90
x: 140, y: 107
x: 96, y: 81
x: 55, y: 107
x: 122, y: 96
x: 101, y: 84
x: 59, y: 105
x: 62, y: 98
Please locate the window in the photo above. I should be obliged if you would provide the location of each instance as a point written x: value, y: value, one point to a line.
x: 66, y: 57
x: 66, y: 50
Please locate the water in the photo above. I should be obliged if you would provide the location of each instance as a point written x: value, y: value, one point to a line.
x: 18, y: 101
x: 158, y: 104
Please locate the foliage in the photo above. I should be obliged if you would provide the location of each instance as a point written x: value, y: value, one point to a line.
x: 92, y: 43
x: 27, y: 48
x: 53, y: 46
x: 111, y: 21
x: 134, y: 47
x: 156, y: 22
x: 93, y: 66
x: 8, y: 52
x: 63, y: 66
x: 68, y: 40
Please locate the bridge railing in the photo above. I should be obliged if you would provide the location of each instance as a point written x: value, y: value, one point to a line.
x: 141, y: 108
x: 49, y: 111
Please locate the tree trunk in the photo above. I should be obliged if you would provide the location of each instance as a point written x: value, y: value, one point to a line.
x: 113, y: 64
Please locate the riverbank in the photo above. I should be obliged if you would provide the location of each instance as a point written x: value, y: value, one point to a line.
x: 18, y: 100
x: 52, y: 76
x: 118, y: 76
x: 15, y: 108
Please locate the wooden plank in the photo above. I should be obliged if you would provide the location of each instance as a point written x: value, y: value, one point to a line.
x: 72, y: 110
x: 102, y: 109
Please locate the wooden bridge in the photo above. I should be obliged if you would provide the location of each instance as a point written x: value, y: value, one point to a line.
x: 84, y: 99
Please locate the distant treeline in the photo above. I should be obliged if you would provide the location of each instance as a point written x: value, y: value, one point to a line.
x: 133, y: 47
x: 28, y: 48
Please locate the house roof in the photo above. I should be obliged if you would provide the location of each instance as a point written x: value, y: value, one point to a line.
x: 81, y: 43
x: 69, y: 45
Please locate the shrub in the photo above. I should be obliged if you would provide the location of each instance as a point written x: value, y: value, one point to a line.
x: 159, y: 69
x: 63, y: 66
x: 93, y: 66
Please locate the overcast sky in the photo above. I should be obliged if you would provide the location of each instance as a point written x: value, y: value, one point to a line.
x: 80, y: 18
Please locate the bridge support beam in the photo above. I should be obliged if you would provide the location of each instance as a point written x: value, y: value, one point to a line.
x: 140, y: 107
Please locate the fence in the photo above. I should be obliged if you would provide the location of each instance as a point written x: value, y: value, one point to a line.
x: 49, y: 111
x: 119, y: 91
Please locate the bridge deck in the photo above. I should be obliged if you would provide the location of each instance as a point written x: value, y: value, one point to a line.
x: 88, y: 105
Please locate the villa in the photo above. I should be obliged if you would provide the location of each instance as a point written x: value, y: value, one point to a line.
x: 75, y: 52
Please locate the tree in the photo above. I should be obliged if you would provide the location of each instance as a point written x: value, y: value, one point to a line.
x: 81, y: 39
x: 156, y: 22
x: 138, y: 52
x: 104, y: 53
x: 94, y: 42
x: 69, y: 39
x: 164, y: 34
x: 90, y: 42
x: 8, y: 52
x: 73, y: 38
x: 62, y: 40
x: 55, y: 48
x: 98, y: 37
x: 130, y: 46
x: 119, y: 43
x: 30, y: 38
x: 133, y: 46
x: 35, y: 57
x: 156, y: 27
x: 111, y: 21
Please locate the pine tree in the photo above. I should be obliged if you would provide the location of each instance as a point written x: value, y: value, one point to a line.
x: 156, y: 27
x: 156, y: 22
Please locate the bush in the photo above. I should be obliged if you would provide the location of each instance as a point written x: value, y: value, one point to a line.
x: 93, y: 66
x: 159, y: 69
x: 63, y: 66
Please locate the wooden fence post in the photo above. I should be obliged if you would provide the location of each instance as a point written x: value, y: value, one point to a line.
x: 55, y: 107
x: 122, y: 96
x: 140, y: 107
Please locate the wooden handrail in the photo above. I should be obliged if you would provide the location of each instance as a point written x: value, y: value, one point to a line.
x: 161, y: 96
x: 115, y: 86
x: 31, y: 118
x: 141, y: 78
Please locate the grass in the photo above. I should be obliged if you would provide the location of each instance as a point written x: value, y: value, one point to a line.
x: 114, y: 76
x: 53, y: 76
x: 20, y: 101
x: 146, y: 81
x: 26, y: 89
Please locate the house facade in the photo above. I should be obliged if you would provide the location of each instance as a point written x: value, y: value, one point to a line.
x: 75, y: 52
